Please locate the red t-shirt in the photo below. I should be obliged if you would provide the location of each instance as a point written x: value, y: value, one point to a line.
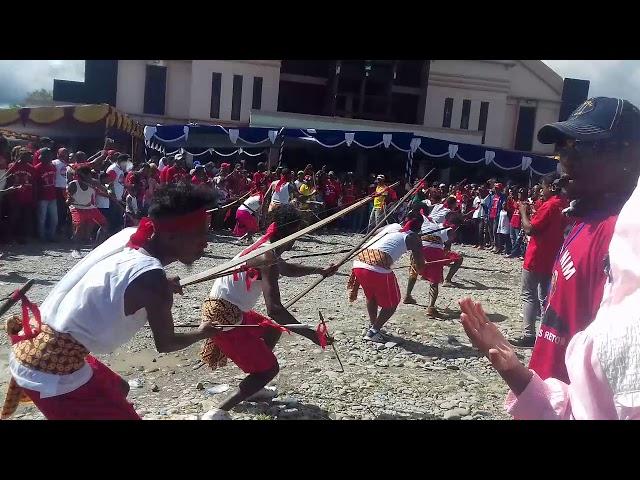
x: 575, y: 294
x: 23, y: 174
x: 45, y: 181
x: 331, y: 193
x: 36, y: 158
x: 349, y: 194
x: 495, y: 203
x: 163, y: 175
x: 175, y: 174
x: 548, y: 224
x: 515, y: 217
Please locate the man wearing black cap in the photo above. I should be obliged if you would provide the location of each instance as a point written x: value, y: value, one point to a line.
x: 599, y: 150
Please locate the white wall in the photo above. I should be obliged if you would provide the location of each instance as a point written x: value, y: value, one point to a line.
x: 131, y: 78
x: 178, y: 88
x: 502, y: 83
x: 200, y: 101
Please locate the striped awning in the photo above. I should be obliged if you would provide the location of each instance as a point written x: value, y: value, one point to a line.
x: 37, y: 119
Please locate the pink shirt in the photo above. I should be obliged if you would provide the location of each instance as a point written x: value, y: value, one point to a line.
x: 603, y: 361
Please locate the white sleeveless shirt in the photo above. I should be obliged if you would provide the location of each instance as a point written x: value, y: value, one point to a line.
x: 390, y: 241
x: 88, y: 304
x: 235, y: 291
x: 282, y: 196
x: 251, y: 205
x: 83, y: 199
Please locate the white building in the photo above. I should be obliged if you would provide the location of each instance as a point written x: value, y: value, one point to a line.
x: 501, y: 103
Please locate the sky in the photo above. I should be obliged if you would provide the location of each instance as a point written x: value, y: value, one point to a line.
x: 613, y: 78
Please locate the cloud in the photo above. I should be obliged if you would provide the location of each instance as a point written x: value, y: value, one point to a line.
x: 608, y: 78
x: 19, y: 77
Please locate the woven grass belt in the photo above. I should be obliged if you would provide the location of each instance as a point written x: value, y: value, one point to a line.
x: 48, y: 351
x: 370, y: 256
x: 217, y: 311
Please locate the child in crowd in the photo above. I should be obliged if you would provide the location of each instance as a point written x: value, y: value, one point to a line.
x: 502, y: 231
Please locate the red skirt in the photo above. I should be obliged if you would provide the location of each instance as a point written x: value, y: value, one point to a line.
x: 434, y: 273
x: 80, y: 216
x: 381, y: 287
x: 245, y: 223
x: 245, y: 346
x: 104, y: 397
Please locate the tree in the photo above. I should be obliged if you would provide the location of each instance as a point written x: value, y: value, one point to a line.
x: 37, y: 98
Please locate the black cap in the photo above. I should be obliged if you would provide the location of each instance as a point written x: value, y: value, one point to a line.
x: 597, y: 119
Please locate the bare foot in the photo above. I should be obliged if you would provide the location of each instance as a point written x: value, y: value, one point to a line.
x: 409, y: 300
x: 432, y: 312
x: 448, y: 283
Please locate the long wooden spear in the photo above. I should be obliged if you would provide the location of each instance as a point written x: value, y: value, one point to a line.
x: 222, y: 207
x: 348, y: 256
x: 213, y: 272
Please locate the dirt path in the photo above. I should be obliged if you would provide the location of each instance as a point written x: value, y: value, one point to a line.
x: 433, y: 372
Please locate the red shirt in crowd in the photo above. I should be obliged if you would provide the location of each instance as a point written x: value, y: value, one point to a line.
x: 548, y: 224
x: 516, y: 221
x: 331, y: 191
x: 23, y: 174
x: 260, y: 181
x: 163, y: 175
x: 495, y: 203
x: 45, y: 181
x: 349, y: 194
x: 175, y: 174
x: 36, y: 158
x: 577, y: 285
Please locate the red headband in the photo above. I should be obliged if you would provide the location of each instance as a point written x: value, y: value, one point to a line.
x: 410, y: 225
x: 271, y: 231
x: 147, y: 227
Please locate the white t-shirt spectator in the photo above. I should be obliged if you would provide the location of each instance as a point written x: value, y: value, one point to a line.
x: 438, y: 213
x: 503, y: 222
x: 102, y: 201
x: 61, y: 173
x: 477, y: 205
x: 118, y: 182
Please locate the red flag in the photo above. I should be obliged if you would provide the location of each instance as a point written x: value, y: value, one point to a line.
x: 321, y: 332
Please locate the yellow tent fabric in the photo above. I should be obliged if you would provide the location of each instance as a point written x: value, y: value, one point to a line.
x: 87, y: 114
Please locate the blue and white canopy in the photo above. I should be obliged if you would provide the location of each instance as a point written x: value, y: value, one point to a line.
x: 198, y: 139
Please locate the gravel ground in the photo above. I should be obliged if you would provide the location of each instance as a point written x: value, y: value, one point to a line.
x: 432, y: 373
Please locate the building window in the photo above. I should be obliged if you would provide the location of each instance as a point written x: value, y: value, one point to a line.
x: 256, y: 102
x: 448, y: 109
x: 466, y: 111
x: 216, y: 85
x: 236, y: 101
x: 482, y: 122
x: 155, y: 86
x: 524, y: 131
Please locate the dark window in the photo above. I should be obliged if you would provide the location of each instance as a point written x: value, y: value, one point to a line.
x: 155, y: 86
x: 216, y: 85
x: 404, y: 108
x: 524, y: 132
x: 256, y: 103
x: 482, y: 122
x: 297, y: 97
x: 448, y: 109
x: 466, y: 111
x: 236, y: 101
x: 408, y: 73
x: 313, y: 68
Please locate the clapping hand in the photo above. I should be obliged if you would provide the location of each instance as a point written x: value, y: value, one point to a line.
x: 485, y: 336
